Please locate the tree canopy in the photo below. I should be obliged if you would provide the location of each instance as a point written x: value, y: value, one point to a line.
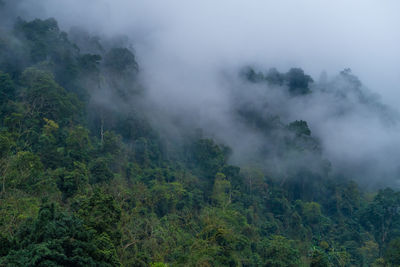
x: 87, y: 183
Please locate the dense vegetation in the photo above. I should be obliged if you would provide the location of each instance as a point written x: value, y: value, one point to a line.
x: 88, y: 183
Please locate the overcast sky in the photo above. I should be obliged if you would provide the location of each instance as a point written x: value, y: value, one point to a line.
x: 205, y: 35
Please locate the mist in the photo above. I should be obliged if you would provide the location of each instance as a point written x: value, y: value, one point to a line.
x: 190, y: 55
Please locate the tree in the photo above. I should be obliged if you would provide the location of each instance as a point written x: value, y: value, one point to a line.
x: 369, y: 252
x: 221, y: 195
x: 142, y: 153
x: 49, y: 47
x: 99, y: 212
x: 44, y: 98
x: 298, y: 82
x: 48, y: 145
x: 100, y: 172
x: 299, y: 128
x: 274, y: 77
x: 280, y: 252
x: 392, y: 253
x: 250, y: 75
x: 312, y: 212
x: 40, y: 35
x: 6, y: 146
x: 55, y: 238
x: 25, y: 172
x: 89, y: 65
x: 382, y: 216
x: 15, y: 209
x: 208, y: 157
x: 78, y: 144
x: 7, y: 88
x: 121, y: 60
x: 71, y: 182
x: 112, y: 143
x: 319, y: 258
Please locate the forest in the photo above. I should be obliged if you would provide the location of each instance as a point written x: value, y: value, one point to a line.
x: 89, y: 183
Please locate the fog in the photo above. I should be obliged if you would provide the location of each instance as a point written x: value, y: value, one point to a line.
x: 190, y: 53
x: 316, y: 35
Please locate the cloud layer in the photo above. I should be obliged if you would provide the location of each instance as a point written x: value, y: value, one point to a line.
x: 187, y: 50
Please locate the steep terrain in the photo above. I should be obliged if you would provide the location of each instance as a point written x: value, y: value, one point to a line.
x: 85, y: 182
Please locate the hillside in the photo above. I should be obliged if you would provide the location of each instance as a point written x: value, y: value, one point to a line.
x: 88, y: 177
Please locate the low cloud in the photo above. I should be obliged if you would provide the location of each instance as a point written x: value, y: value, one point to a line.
x: 190, y: 54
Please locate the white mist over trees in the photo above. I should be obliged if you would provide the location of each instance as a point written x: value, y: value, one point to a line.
x: 188, y: 52
x: 170, y: 133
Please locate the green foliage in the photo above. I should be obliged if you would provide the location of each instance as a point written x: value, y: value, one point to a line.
x: 208, y: 157
x: 106, y: 251
x: 78, y: 144
x: 100, y: 172
x: 298, y: 82
x: 369, y: 252
x: 40, y: 34
x: 71, y: 182
x: 6, y: 145
x: 382, y: 216
x: 299, y: 128
x: 126, y: 194
x: 89, y: 64
x: 47, y: 147
x: 44, y: 98
x: 319, y: 259
x: 58, y: 239
x: 392, y: 254
x: 251, y: 75
x: 167, y: 197
x: 221, y: 195
x: 99, y: 212
x: 25, y: 172
x: 142, y: 153
x: 15, y: 209
x: 7, y: 88
x: 112, y: 144
x: 121, y: 60
x: 280, y: 252
x: 312, y: 212
x: 50, y: 47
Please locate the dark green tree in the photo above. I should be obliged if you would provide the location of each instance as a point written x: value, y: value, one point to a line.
x: 55, y: 238
x: 382, y: 217
x: 44, y: 98
x: 121, y: 60
x: 99, y: 212
x: 7, y: 88
x: 100, y: 171
x: 280, y: 252
x: 299, y: 128
x: 298, y: 82
x: 392, y: 253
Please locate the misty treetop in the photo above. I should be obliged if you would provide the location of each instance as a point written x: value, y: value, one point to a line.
x: 296, y: 80
x: 89, y: 178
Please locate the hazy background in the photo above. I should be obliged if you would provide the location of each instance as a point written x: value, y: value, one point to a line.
x: 363, y: 35
x: 186, y: 49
